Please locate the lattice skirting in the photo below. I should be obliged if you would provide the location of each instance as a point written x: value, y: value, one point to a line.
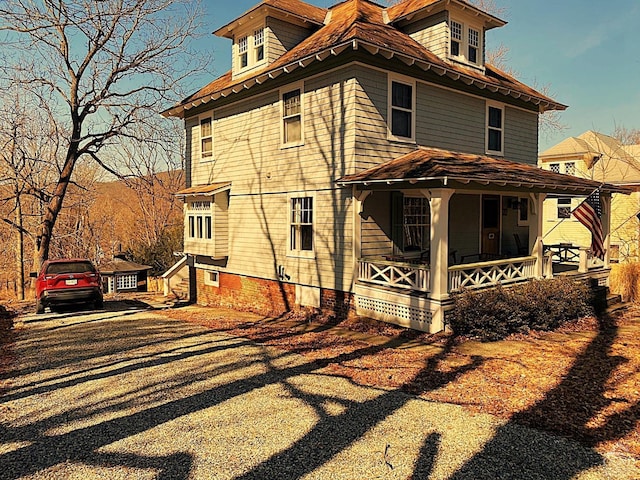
x: 405, y: 315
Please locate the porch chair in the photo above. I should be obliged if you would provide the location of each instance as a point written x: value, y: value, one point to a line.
x: 522, y: 249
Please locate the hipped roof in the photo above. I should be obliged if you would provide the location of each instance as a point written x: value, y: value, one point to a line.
x: 445, y: 168
x: 122, y: 266
x: 355, y: 25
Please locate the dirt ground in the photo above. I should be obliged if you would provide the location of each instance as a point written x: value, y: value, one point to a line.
x: 582, y: 382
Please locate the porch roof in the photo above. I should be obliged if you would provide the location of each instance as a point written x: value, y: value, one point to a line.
x: 447, y: 168
x: 204, y: 190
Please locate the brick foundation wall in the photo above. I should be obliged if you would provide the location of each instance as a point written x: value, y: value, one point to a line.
x: 258, y: 295
x: 266, y: 297
x: 337, y: 303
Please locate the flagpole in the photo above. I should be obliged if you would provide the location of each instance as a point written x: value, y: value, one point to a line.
x: 571, y: 213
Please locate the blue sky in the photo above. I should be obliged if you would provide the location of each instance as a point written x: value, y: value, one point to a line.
x: 586, y: 52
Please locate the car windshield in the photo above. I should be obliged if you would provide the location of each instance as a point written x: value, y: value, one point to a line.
x: 69, y: 267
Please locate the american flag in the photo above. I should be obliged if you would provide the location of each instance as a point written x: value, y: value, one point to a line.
x: 589, y: 213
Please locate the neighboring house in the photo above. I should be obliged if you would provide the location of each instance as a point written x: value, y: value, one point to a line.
x: 121, y: 275
x: 601, y: 158
x: 362, y: 158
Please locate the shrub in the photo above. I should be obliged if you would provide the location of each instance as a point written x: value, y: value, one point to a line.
x: 537, y: 305
x: 625, y: 280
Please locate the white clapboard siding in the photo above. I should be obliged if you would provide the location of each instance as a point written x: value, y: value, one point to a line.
x: 431, y: 32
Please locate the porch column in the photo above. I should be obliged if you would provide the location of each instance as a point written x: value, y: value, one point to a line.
x: 359, y: 197
x: 536, y: 231
x: 605, y: 202
x: 439, y: 261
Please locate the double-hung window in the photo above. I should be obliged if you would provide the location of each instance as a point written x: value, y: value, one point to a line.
x: 292, y: 116
x: 473, y: 45
x: 495, y: 129
x: 301, y: 224
x: 465, y: 43
x: 258, y: 45
x: 243, y: 52
x: 456, y: 38
x: 402, y: 109
x: 206, y: 138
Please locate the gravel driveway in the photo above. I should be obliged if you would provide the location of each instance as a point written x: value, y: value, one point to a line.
x: 130, y: 394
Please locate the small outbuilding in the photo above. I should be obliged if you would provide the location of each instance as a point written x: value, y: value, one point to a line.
x: 121, y: 275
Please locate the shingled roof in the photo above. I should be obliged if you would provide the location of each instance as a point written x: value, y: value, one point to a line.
x: 360, y: 24
x: 444, y: 167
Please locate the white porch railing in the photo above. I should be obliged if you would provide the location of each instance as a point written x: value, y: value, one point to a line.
x: 486, y: 274
x: 394, y: 274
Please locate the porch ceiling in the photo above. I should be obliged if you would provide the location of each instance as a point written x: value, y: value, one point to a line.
x: 446, y: 168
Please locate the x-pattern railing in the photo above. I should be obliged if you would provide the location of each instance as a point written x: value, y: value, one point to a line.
x: 478, y: 275
x: 394, y: 274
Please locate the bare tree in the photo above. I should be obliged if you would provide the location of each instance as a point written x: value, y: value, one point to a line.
x: 108, y: 64
x: 27, y: 146
x: 626, y: 136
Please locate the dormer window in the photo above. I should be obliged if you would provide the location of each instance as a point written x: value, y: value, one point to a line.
x: 243, y: 53
x: 474, y: 44
x: 456, y: 38
x: 251, y: 48
x: 465, y: 43
x: 258, y: 44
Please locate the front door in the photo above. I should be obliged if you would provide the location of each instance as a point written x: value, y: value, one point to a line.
x: 491, y: 224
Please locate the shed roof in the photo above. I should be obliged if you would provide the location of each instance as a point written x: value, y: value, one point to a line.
x: 205, y: 190
x: 360, y: 24
x: 444, y: 167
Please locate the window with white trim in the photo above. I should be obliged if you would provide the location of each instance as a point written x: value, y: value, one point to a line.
x: 473, y: 45
x: 495, y: 129
x: 212, y: 278
x: 465, y: 43
x: 258, y: 45
x: 570, y: 168
x: 554, y: 167
x: 456, y: 38
x: 124, y: 282
x: 292, y: 117
x: 411, y: 223
x: 199, y: 220
x: 206, y: 138
x: 564, y: 207
x: 243, y: 52
x: 402, y: 109
x: 301, y: 224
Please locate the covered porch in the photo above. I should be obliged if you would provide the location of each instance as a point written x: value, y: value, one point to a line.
x: 433, y: 222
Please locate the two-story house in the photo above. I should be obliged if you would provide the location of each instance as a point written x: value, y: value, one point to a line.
x: 603, y: 158
x: 363, y: 158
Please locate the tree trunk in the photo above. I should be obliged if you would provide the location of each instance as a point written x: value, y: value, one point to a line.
x: 43, y: 241
x: 20, y: 252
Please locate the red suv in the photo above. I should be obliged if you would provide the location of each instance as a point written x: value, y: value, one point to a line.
x: 67, y: 281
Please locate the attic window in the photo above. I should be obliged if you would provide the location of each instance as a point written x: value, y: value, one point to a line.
x: 555, y: 167
x: 258, y: 44
x: 474, y: 44
x: 456, y: 38
x: 243, y: 44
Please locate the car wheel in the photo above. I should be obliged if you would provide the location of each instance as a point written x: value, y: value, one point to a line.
x: 98, y: 304
x: 39, y: 307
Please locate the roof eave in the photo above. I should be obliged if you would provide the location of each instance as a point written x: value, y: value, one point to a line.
x: 543, y: 104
